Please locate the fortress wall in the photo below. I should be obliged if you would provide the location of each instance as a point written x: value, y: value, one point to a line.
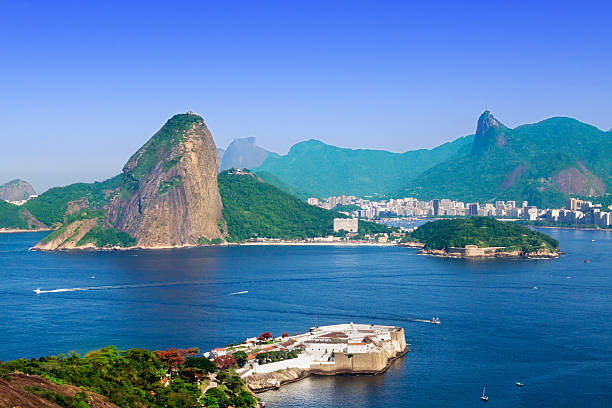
x: 399, y: 339
x: 371, y: 362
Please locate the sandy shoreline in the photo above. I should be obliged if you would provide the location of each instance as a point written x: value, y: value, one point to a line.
x: 15, y: 231
x: 314, y: 244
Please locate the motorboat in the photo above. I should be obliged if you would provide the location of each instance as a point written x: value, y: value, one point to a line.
x: 519, y: 384
x: 37, y: 290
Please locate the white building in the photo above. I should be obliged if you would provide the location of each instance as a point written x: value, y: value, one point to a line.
x: 346, y: 224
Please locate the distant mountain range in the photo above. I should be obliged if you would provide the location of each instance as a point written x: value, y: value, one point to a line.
x: 542, y: 163
x: 16, y: 190
x: 313, y: 168
x: 242, y: 153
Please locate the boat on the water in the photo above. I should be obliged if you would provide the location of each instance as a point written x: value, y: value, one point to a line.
x: 435, y: 320
x: 484, y: 397
x: 37, y: 290
x: 519, y: 384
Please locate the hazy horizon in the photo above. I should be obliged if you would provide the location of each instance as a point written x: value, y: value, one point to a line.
x: 85, y: 85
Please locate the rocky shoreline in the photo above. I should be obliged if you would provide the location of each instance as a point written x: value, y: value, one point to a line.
x: 540, y: 254
x: 259, y: 383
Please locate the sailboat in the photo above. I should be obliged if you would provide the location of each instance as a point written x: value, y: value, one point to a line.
x: 484, y: 397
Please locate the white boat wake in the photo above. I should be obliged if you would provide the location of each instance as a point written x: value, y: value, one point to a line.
x: 238, y: 293
x: 143, y: 285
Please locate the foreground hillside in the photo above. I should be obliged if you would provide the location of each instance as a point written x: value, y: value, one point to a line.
x: 316, y: 169
x: 108, y: 378
x: 542, y: 163
x: 482, y: 232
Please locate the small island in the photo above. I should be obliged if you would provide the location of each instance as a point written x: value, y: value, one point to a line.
x: 481, y: 237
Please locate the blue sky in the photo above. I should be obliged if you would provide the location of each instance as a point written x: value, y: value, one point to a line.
x: 84, y: 84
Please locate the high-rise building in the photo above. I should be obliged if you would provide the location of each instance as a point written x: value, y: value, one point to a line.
x: 473, y: 208
x: 436, y: 207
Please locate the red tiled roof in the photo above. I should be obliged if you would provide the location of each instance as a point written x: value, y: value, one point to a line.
x: 335, y: 334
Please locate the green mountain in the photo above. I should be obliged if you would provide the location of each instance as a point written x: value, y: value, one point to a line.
x: 253, y: 208
x: 169, y: 195
x: 315, y: 169
x: 482, y: 232
x: 542, y: 163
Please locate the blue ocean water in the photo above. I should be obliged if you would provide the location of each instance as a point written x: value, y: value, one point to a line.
x: 497, y: 328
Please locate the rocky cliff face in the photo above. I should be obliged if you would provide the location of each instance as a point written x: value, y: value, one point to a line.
x: 169, y: 196
x: 16, y: 190
x: 489, y: 132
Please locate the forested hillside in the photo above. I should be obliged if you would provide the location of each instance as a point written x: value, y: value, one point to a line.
x: 315, y: 169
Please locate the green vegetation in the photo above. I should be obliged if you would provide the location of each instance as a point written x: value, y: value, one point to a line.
x: 346, y: 208
x: 80, y: 400
x: 483, y: 232
x: 253, y: 209
x: 166, y: 185
x: 206, y: 241
x: 50, y: 207
x: 276, y: 355
x: 160, y: 144
x: 132, y: 379
x: 171, y: 163
x: 321, y: 170
x: 104, y: 237
x: 11, y: 216
x: 129, y: 379
x: 539, y: 163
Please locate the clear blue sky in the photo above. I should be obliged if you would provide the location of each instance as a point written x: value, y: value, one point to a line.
x: 84, y: 84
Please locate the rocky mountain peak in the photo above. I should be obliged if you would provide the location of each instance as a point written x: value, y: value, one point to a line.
x: 16, y: 190
x: 487, y: 121
x: 169, y: 195
x: 489, y: 132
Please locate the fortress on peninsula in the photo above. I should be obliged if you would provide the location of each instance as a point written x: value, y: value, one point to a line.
x: 347, y: 348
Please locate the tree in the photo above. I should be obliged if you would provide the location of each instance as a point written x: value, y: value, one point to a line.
x: 285, y: 334
x: 174, y: 358
x: 215, y: 397
x: 241, y: 358
x: 225, y: 362
x: 202, y: 363
x: 265, y: 336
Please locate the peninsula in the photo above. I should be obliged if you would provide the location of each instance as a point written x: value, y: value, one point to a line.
x: 267, y: 362
x: 481, y: 237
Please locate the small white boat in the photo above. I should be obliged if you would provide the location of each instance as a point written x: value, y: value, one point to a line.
x: 484, y: 397
x: 435, y: 320
x: 37, y: 290
x: 519, y: 384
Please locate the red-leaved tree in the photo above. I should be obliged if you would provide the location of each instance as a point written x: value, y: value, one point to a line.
x: 174, y: 358
x: 225, y: 362
x: 265, y: 336
x: 285, y: 334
